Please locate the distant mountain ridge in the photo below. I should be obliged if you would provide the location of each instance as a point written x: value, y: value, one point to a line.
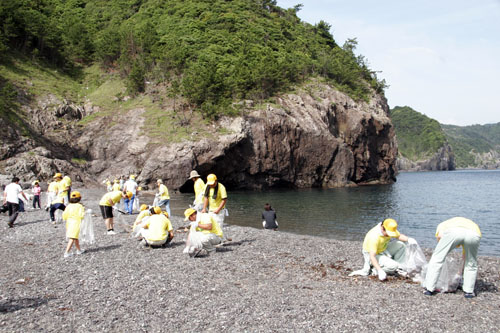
x: 425, y: 144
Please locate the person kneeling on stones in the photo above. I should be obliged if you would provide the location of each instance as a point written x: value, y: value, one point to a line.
x: 206, y: 228
x: 73, y: 215
x: 143, y: 212
x: 384, y: 256
x: 452, y: 233
x: 106, y: 205
x: 155, y: 229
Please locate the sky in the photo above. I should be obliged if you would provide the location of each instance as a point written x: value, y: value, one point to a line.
x: 441, y: 58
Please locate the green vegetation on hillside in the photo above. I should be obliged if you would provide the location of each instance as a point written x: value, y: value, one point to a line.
x: 418, y: 136
x: 474, y: 138
x: 208, y: 52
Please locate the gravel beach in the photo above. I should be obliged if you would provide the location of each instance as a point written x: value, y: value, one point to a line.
x: 261, y: 281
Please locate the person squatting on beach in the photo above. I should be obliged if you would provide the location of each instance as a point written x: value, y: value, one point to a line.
x: 452, y: 233
x: 269, y: 218
x: 157, y: 230
x: 214, y: 200
x: 130, y: 185
x: 199, y: 187
x: 163, y: 196
x: 73, y: 215
x: 143, y: 212
x: 106, y: 204
x: 385, y: 256
x: 36, y: 190
x: 11, y: 200
x: 206, y: 228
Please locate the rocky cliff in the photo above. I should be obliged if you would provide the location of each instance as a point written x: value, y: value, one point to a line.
x: 442, y: 160
x: 314, y: 138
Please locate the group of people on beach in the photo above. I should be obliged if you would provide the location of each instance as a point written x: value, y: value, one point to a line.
x: 207, y: 214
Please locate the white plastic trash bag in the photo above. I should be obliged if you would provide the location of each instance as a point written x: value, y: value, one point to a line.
x: 136, y: 204
x: 448, y: 280
x: 415, y: 260
x: 140, y: 227
x: 87, y: 229
x: 193, y: 241
x: 58, y: 215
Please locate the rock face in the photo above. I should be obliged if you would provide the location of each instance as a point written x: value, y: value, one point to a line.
x: 442, y: 160
x: 307, y: 139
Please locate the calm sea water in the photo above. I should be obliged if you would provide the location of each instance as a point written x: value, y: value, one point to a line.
x: 418, y: 201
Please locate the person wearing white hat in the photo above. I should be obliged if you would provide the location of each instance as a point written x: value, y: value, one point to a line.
x: 381, y: 254
x: 199, y: 187
x: 452, y: 233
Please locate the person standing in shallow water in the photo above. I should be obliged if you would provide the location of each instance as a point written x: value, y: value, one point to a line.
x: 269, y: 217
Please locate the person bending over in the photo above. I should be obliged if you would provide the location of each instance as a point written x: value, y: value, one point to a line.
x: 106, y: 205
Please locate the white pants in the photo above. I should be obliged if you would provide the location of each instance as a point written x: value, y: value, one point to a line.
x: 450, y: 240
x: 390, y: 260
x: 209, y: 241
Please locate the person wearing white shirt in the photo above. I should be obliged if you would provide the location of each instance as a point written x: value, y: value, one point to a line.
x: 130, y: 186
x: 11, y: 199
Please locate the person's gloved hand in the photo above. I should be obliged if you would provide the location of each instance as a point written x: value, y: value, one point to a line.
x: 412, y: 241
x: 382, y: 275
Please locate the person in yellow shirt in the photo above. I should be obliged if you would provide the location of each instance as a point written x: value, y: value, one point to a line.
x: 214, y: 200
x: 199, y: 188
x: 116, y: 185
x: 452, y: 233
x: 58, y: 203
x: 164, y: 197
x: 73, y: 215
x: 64, y: 189
x: 157, y: 230
x: 144, y: 211
x: 382, y: 254
x: 207, y: 229
x: 106, y: 205
x: 52, y: 190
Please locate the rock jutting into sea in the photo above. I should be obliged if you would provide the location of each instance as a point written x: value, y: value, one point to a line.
x: 261, y: 281
x: 313, y: 137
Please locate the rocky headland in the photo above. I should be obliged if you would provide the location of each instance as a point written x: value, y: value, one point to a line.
x: 313, y: 137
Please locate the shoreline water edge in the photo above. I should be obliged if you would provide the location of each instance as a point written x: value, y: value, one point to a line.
x: 261, y: 281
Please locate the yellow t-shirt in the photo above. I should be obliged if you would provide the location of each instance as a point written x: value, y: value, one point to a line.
x: 375, y: 241
x: 115, y: 196
x: 74, y: 211
x: 457, y: 222
x: 53, y: 187
x: 63, y: 187
x: 116, y: 187
x: 206, y: 219
x: 213, y: 204
x: 142, y: 215
x: 58, y: 200
x: 163, y: 190
x: 158, y: 225
x: 199, y: 187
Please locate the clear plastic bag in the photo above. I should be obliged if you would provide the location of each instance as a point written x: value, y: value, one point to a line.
x: 136, y: 204
x: 58, y: 215
x: 140, y: 227
x: 87, y: 229
x: 193, y: 241
x: 415, y: 260
x: 448, y: 280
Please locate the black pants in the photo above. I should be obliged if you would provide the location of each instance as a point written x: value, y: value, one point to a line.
x: 36, y: 199
x: 13, y: 209
x: 55, y: 207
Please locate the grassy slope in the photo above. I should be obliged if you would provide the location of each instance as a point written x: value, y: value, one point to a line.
x: 104, y: 90
x: 477, y: 138
x: 418, y: 136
